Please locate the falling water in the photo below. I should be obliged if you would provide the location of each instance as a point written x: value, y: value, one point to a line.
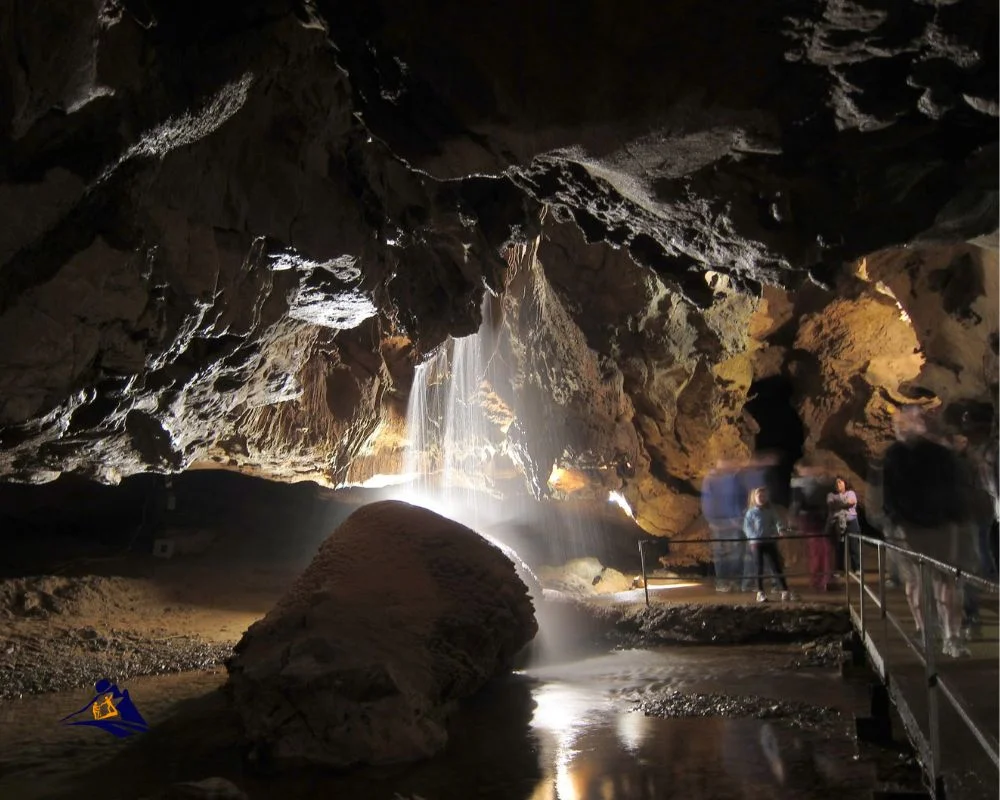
x: 451, y: 439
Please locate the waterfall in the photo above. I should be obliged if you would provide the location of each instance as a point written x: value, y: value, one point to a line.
x: 450, y: 436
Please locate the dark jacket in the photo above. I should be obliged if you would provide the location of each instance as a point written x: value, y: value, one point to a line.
x: 722, y: 497
x: 922, y: 484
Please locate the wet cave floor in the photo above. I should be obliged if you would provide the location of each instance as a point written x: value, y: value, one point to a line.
x: 712, y: 722
x: 638, y: 705
x: 701, y: 695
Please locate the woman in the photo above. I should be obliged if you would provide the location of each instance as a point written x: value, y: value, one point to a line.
x: 843, y: 508
x: 760, y: 526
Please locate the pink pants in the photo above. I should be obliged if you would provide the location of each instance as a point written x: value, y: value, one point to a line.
x: 821, y: 556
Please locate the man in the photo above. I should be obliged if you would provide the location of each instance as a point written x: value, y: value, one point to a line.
x: 925, y: 503
x: 722, y: 503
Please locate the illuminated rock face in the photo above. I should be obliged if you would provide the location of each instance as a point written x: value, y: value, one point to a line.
x: 401, y: 614
x: 234, y: 255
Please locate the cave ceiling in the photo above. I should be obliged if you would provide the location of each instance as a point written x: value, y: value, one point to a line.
x: 232, y: 229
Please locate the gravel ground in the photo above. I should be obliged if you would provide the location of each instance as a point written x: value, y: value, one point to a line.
x: 721, y: 624
x: 825, y: 652
x: 49, y: 659
x: 672, y: 703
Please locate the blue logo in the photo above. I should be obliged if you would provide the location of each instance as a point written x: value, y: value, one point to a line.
x: 111, y: 710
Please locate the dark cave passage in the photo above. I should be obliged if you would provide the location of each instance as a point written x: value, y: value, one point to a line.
x: 781, y: 430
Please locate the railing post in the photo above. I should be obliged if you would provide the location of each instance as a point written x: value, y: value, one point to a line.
x: 847, y: 568
x: 642, y: 561
x: 883, y: 557
x: 929, y: 616
x: 861, y: 585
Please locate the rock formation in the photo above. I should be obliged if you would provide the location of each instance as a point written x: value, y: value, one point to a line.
x: 402, y: 614
x: 232, y: 229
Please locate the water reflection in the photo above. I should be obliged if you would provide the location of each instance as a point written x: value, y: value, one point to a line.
x: 558, y: 733
x: 592, y: 748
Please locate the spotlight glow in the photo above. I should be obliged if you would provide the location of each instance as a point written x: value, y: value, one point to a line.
x: 619, y: 500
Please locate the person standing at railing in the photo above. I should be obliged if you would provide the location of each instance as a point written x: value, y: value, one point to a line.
x: 762, y: 528
x: 808, y: 510
x: 842, y: 507
x: 722, y: 505
x: 925, y: 503
x: 759, y: 470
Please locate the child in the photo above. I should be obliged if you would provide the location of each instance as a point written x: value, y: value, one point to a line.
x: 760, y: 526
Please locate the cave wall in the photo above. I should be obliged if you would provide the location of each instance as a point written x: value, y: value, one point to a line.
x: 232, y: 230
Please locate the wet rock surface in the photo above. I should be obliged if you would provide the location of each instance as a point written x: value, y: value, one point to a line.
x: 49, y: 659
x: 401, y: 614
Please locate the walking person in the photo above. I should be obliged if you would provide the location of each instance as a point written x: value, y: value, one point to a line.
x: 808, y: 509
x: 761, y: 527
x: 722, y: 506
x: 925, y: 503
x: 973, y: 474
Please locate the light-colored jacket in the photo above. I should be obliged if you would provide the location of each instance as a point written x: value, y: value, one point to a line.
x: 760, y: 522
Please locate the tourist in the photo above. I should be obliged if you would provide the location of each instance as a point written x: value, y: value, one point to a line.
x: 924, y: 501
x: 722, y: 506
x: 974, y: 476
x: 761, y: 527
x: 842, y: 507
x: 808, y: 509
x: 875, y: 516
x: 756, y: 471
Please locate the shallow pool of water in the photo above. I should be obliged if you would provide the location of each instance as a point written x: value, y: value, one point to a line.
x: 562, y: 732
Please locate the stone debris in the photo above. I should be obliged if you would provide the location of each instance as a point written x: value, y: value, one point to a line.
x: 49, y: 659
x: 672, y: 703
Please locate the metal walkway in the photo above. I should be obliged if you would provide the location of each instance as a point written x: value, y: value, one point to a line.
x: 949, y: 706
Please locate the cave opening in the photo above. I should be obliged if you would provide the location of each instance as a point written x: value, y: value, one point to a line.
x: 780, y: 429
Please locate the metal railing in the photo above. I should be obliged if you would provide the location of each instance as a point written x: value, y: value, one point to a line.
x: 666, y: 542
x: 936, y: 685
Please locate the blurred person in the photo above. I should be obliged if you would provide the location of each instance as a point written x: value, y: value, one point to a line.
x: 762, y: 528
x: 842, y: 508
x: 875, y: 514
x: 808, y: 510
x: 925, y: 504
x: 722, y: 505
x: 976, y: 529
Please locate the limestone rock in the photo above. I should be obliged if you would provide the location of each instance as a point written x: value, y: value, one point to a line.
x: 401, y: 614
x: 584, y: 576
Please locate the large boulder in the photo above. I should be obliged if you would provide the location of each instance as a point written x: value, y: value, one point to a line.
x: 401, y: 614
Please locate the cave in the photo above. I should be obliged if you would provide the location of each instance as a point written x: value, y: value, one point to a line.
x: 362, y: 366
